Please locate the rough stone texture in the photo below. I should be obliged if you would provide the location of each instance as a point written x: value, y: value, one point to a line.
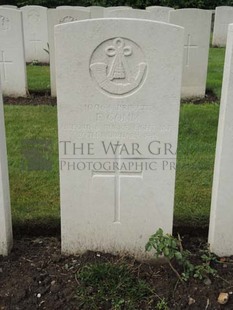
x: 56, y: 17
x: 197, y: 25
x: 160, y: 13
x: 35, y: 28
x: 6, y: 239
x: 221, y: 217
x: 223, y: 17
x: 126, y: 13
x: 12, y: 56
x: 119, y: 83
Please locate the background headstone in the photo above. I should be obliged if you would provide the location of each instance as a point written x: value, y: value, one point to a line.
x: 35, y: 33
x: 121, y: 87
x: 67, y: 7
x: 160, y: 13
x: 56, y: 17
x: 125, y: 13
x: 221, y: 216
x: 6, y: 238
x: 12, y: 56
x: 117, y: 8
x: 8, y: 6
x: 223, y: 17
x: 197, y: 25
x: 96, y: 11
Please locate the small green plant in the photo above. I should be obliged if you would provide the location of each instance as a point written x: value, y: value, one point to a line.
x: 204, y: 270
x: 171, y: 248
x: 161, y: 305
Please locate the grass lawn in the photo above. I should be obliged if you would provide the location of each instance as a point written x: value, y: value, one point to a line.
x: 215, y: 70
x: 35, y: 194
x: 195, y: 162
x: 38, y: 79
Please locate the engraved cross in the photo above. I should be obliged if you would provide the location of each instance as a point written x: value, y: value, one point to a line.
x: 3, y: 63
x: 117, y: 175
x: 188, y: 46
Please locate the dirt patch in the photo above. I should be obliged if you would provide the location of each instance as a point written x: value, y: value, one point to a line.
x: 33, y: 99
x: 37, y: 276
x: 38, y: 98
x: 210, y: 97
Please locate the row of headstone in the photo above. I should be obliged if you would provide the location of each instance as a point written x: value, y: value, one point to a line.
x: 197, y: 24
x: 223, y: 17
x: 116, y: 94
x: 37, y: 34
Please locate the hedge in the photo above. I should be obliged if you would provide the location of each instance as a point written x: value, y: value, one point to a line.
x: 202, y: 4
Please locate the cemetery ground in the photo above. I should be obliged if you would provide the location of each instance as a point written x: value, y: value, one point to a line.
x: 36, y: 275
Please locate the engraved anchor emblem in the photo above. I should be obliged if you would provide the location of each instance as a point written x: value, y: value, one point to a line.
x: 116, y: 77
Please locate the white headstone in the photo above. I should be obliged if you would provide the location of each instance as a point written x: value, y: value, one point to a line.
x: 160, y: 13
x: 68, y: 7
x: 96, y: 11
x: 56, y: 17
x: 110, y: 8
x: 221, y: 217
x: 121, y: 89
x: 6, y: 239
x: 134, y: 13
x: 223, y: 17
x: 7, y: 6
x: 35, y: 33
x: 12, y: 56
x: 197, y: 25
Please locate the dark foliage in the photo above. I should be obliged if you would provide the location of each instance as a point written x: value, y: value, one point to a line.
x: 203, y: 4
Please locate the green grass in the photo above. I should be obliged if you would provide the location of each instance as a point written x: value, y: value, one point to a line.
x: 38, y: 79
x: 35, y: 194
x: 215, y: 70
x: 195, y: 162
x: 112, y: 286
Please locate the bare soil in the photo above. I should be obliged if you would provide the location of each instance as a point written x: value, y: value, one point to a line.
x: 35, y: 276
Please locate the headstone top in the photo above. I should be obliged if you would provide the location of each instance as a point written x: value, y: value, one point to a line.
x: 125, y: 13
